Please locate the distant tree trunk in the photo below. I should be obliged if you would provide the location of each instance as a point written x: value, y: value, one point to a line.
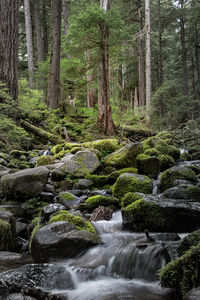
x: 44, y: 27
x: 38, y: 31
x: 9, y: 45
x: 104, y: 108
x: 140, y: 57
x: 197, y: 47
x: 148, y: 56
x: 29, y: 41
x: 184, y: 51
x: 160, y: 75
x: 65, y: 16
x: 54, y: 72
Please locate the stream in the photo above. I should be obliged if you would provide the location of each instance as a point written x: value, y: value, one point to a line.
x: 124, y: 266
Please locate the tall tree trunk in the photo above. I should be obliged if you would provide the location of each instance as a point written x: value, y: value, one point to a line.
x: 160, y: 80
x: 184, y: 51
x: 44, y: 27
x: 197, y: 47
x: 29, y: 41
x: 38, y: 31
x: 104, y: 108
x: 54, y: 72
x: 140, y: 57
x: 9, y: 45
x: 148, y: 57
x: 65, y: 16
x: 91, y: 91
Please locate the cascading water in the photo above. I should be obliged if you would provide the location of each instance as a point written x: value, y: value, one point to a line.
x: 124, y: 266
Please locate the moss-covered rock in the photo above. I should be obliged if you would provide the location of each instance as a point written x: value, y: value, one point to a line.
x: 69, y: 146
x: 129, y: 182
x: 114, y: 175
x: 98, y: 180
x: 17, y: 154
x: 192, y: 239
x: 61, y: 154
x: 6, y: 237
x: 105, y: 146
x: 148, y: 165
x: 188, y: 192
x: 95, y: 201
x: 56, y: 149
x: 166, y: 161
x: 168, y: 177
x: 44, y: 160
x: 79, y: 222
x: 124, y: 157
x: 166, y: 149
x: 129, y: 198
x: 182, y: 274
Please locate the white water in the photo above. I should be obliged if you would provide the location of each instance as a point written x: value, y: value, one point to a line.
x: 124, y: 266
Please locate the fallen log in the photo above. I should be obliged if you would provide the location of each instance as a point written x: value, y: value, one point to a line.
x: 41, y: 133
x: 135, y: 133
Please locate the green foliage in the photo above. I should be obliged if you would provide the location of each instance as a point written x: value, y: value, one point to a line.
x: 79, y: 222
x: 192, y: 239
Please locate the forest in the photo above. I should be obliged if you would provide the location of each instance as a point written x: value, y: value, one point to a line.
x: 99, y: 149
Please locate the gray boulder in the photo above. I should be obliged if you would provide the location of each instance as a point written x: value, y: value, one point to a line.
x: 83, y: 184
x: 193, y: 294
x: 162, y: 215
x: 49, y: 209
x: 25, y: 184
x: 69, y: 200
x: 60, y: 240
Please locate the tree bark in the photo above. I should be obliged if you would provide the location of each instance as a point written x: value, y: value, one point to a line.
x: 184, y: 51
x: 160, y: 75
x: 104, y: 108
x: 140, y: 57
x: 9, y: 45
x: 148, y: 57
x: 65, y: 16
x: 54, y: 72
x: 29, y: 41
x: 38, y: 31
x: 91, y: 91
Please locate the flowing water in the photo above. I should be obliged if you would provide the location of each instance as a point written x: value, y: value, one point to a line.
x: 124, y: 266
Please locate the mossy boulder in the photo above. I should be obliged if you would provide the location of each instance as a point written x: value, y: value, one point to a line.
x: 168, y: 178
x: 44, y: 160
x: 161, y: 215
x: 60, y: 154
x: 25, y: 184
x: 188, y: 192
x: 62, y: 239
x: 129, y: 182
x: 6, y: 237
x: 18, y: 154
x: 114, y: 175
x: 192, y: 239
x: 182, y: 274
x: 69, y: 200
x: 69, y: 146
x: 124, y: 157
x: 96, y: 201
x: 98, y: 180
x: 166, y: 161
x: 105, y: 146
x: 130, y: 198
x: 148, y: 165
x: 166, y: 149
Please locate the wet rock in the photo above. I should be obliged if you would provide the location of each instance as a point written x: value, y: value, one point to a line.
x: 148, y: 165
x: 76, y: 192
x: 83, y: 184
x: 16, y: 210
x: 17, y: 185
x: 165, y: 236
x: 19, y: 297
x: 49, y: 188
x: 46, y: 197
x: 27, y: 278
x: 100, y: 192
x: 193, y: 294
x: 102, y: 213
x: 60, y: 240
x: 190, y: 192
x: 69, y: 200
x: 5, y: 215
x: 162, y: 215
x: 50, y: 209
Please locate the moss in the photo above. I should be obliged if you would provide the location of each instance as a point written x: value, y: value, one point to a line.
x: 98, y: 180
x: 61, y: 154
x: 76, y: 149
x: 35, y: 221
x: 164, y: 135
x: 14, y: 163
x: 185, y: 156
x: 152, y: 152
x: 124, y: 157
x: 182, y: 274
x: 56, y: 149
x: 44, y: 160
x: 96, y: 201
x: 169, y: 176
x: 17, y: 153
x: 166, y: 161
x: 192, y: 239
x: 69, y: 146
x: 114, y: 175
x: 78, y: 221
x: 36, y: 228
x: 145, y: 215
x: 193, y: 192
x: 148, y: 165
x: 105, y: 146
x: 32, y: 154
x: 6, y: 238
x: 129, y: 198
x: 164, y: 148
x: 66, y: 197
x: 129, y: 182
x: 34, y: 205
x: 25, y: 165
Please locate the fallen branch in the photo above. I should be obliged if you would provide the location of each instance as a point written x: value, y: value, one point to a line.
x: 41, y: 133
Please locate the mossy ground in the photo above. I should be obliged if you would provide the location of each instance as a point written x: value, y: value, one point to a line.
x: 79, y: 222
